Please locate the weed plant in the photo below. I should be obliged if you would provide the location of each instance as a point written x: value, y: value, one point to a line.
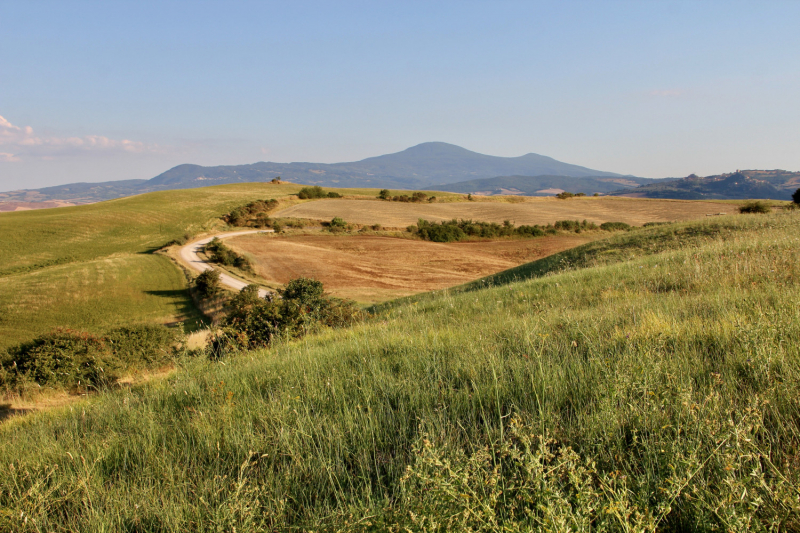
x: 655, y: 391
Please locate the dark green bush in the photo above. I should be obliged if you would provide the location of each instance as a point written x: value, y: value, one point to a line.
x: 63, y: 357
x: 208, y: 284
x: 334, y: 195
x: 385, y: 194
x: 219, y: 253
x: 755, y: 207
x: 307, y: 193
x: 651, y: 224
x: 83, y: 361
x: 615, y: 226
x: 796, y: 196
x: 254, y: 322
x: 564, y: 195
x: 457, y: 230
x: 142, y: 346
x: 338, y: 223
x: 253, y: 214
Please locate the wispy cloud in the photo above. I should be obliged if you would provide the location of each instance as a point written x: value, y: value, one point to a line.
x: 18, y: 143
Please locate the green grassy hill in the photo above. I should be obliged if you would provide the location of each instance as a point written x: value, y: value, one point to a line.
x: 658, y: 390
x: 93, y: 266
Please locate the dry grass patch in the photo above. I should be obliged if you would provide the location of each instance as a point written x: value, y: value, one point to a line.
x: 371, y: 269
x: 634, y: 211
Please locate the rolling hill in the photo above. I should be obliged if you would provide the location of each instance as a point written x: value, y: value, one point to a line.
x: 417, y: 167
x: 739, y: 185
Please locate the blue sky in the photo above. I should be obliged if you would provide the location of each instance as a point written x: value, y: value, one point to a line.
x: 94, y: 91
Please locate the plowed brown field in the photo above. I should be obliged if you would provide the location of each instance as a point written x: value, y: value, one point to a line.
x: 370, y: 269
x: 634, y: 211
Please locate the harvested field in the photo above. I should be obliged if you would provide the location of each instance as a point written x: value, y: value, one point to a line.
x: 634, y: 211
x: 371, y: 269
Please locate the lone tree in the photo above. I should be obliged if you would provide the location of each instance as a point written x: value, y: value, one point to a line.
x: 208, y: 283
x: 796, y: 196
x: 384, y: 194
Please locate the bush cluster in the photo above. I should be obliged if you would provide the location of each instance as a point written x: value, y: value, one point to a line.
x: 218, y: 252
x: 574, y: 225
x: 615, y: 226
x: 755, y: 207
x: 255, y: 322
x: 307, y: 193
x: 253, y: 214
x: 564, y: 195
x: 80, y: 360
x: 458, y: 230
x: 337, y: 224
x: 416, y: 197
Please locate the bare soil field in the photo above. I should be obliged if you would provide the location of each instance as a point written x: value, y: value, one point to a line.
x: 527, y: 210
x: 371, y: 269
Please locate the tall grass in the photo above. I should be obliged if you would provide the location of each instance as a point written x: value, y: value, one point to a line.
x: 660, y: 393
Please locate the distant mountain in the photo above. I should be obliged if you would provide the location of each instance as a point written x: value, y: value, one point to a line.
x: 417, y: 167
x: 543, y: 185
x: 739, y: 185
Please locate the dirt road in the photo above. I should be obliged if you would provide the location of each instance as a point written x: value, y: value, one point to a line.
x: 193, y: 261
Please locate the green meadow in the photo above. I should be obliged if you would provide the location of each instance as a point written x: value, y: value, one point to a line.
x: 648, y: 383
x: 92, y: 267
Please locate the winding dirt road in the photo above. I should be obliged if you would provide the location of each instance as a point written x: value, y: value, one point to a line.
x: 193, y: 261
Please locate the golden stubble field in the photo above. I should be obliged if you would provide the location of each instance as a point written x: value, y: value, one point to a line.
x: 520, y: 210
x: 371, y: 269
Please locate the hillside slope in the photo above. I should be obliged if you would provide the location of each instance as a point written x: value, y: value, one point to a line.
x: 655, y: 394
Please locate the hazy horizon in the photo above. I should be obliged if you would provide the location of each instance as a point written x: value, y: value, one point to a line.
x: 99, y: 92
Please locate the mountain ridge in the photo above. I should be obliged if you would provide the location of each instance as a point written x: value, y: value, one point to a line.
x: 417, y: 167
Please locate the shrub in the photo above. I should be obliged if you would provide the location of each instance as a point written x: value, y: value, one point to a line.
x: 208, y: 284
x: 276, y: 180
x: 755, y: 207
x: 142, y: 346
x: 376, y: 227
x: 219, y: 253
x: 564, y: 195
x: 63, y: 357
x: 615, y: 226
x: 334, y: 195
x: 385, y: 194
x: 796, y: 197
x: 337, y: 224
x: 252, y: 214
x: 307, y: 193
x: 254, y: 322
x: 651, y: 224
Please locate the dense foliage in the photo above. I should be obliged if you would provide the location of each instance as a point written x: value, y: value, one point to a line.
x: 459, y: 230
x: 219, y: 253
x: 308, y: 193
x: 254, y: 214
x: 416, y: 197
x: 615, y: 226
x: 565, y: 195
x: 796, y: 196
x: 755, y: 207
x: 208, y: 284
x: 301, y: 307
x: 80, y: 360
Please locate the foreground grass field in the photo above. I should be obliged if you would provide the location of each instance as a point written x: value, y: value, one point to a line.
x: 660, y: 393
